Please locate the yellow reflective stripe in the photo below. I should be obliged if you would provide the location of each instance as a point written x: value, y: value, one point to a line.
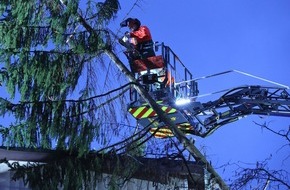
x: 164, y: 108
x: 162, y: 132
x: 161, y: 135
x: 149, y: 111
x: 172, y: 110
x: 138, y: 111
x: 185, y: 126
x: 145, y: 112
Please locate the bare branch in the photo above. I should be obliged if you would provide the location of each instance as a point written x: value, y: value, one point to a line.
x: 261, y: 176
x: 283, y: 133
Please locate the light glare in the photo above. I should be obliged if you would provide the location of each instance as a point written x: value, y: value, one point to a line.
x: 182, y: 101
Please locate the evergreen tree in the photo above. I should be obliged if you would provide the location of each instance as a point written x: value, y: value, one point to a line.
x: 51, y: 63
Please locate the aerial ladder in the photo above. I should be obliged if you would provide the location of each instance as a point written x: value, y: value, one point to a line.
x: 173, y: 87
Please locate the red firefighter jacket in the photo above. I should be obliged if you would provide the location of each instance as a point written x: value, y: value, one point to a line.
x: 142, y: 34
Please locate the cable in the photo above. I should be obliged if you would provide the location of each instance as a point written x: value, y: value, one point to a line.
x: 87, y: 99
x: 129, y: 138
x: 236, y: 71
x: 145, y: 140
x: 266, y: 80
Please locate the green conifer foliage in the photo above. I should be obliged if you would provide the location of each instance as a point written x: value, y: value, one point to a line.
x: 44, y: 51
x: 49, y: 54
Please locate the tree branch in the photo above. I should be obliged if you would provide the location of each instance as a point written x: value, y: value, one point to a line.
x: 283, y: 133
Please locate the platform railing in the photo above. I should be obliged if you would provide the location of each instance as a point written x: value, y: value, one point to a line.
x: 177, y: 80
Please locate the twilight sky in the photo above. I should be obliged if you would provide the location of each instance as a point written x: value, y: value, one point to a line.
x: 212, y: 36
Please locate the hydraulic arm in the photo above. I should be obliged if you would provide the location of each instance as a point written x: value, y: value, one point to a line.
x: 238, y: 103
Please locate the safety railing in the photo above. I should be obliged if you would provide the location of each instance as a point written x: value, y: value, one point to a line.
x: 171, y: 82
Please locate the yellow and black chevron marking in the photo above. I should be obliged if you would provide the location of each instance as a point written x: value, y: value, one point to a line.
x: 145, y: 111
x: 146, y: 116
x: 164, y: 132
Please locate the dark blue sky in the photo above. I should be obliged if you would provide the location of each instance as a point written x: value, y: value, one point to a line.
x: 212, y: 36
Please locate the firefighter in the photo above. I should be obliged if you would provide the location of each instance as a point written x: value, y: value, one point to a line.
x: 140, y: 39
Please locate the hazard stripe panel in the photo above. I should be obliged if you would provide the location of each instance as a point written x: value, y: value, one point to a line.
x: 165, y: 132
x: 146, y: 116
x: 145, y: 112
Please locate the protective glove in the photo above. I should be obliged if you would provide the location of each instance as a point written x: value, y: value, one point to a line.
x: 127, y: 34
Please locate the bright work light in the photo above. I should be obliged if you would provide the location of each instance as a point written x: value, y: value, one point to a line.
x: 182, y: 101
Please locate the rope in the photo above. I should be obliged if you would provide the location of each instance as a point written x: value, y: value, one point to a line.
x: 240, y: 72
